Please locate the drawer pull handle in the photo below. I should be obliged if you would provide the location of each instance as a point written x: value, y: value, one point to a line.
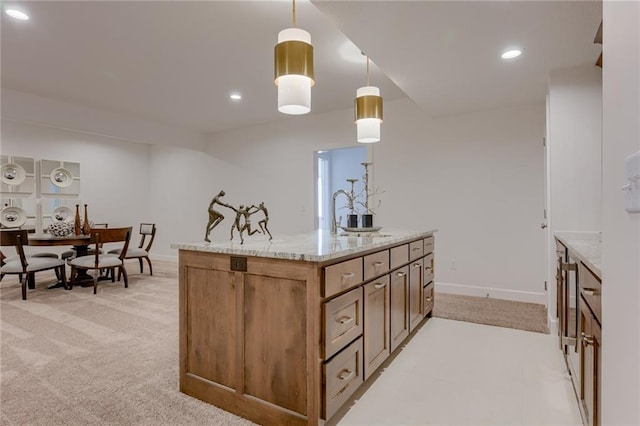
x: 377, y: 264
x: 416, y: 265
x: 345, y: 320
x: 401, y: 274
x: 379, y: 285
x: 429, y: 299
x: 416, y: 248
x: 348, y: 275
x: 590, y: 291
x: 345, y: 374
x: 588, y: 339
x: 428, y: 268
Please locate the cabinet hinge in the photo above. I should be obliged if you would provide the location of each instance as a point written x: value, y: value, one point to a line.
x: 545, y: 286
x: 544, y: 141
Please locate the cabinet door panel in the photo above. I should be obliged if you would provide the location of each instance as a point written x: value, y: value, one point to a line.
x: 589, y: 348
x: 275, y: 361
x: 377, y: 341
x: 342, y: 321
x: 428, y: 299
x: 211, y: 303
x: 415, y: 294
x: 399, y: 306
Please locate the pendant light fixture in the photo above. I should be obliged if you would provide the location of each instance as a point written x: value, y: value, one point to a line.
x: 368, y: 112
x: 294, y: 69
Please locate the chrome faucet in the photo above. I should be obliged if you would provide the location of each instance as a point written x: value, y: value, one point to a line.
x: 334, y: 224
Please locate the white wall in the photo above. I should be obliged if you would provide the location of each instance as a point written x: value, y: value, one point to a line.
x: 575, y: 145
x: 620, y: 230
x: 574, y: 142
x: 478, y: 178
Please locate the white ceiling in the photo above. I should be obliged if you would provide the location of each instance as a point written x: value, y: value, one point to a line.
x: 176, y: 62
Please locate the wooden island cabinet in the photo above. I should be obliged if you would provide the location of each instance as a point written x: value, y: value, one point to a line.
x: 285, y: 332
x: 579, y: 314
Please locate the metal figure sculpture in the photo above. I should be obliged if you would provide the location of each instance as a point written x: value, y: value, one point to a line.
x: 243, y: 212
x: 215, y: 217
x: 242, y: 221
x: 265, y: 220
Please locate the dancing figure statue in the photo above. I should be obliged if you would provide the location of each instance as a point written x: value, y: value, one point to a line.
x: 215, y: 217
x: 243, y: 212
x: 265, y: 220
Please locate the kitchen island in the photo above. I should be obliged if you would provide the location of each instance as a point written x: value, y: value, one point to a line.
x: 286, y: 331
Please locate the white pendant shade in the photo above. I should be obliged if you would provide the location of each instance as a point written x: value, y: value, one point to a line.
x: 294, y: 94
x: 367, y: 91
x: 368, y: 128
x: 294, y: 34
x: 294, y: 82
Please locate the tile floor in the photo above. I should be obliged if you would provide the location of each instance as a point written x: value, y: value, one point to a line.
x: 458, y: 373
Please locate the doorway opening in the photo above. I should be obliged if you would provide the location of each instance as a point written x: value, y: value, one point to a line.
x: 332, y: 169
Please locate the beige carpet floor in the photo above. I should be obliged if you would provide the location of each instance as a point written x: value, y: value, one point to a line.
x: 483, y: 310
x: 74, y: 358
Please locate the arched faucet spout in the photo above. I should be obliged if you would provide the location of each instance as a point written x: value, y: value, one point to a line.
x: 334, y: 224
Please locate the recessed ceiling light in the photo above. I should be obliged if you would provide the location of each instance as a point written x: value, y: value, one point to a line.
x: 17, y: 14
x: 235, y: 96
x: 510, y: 54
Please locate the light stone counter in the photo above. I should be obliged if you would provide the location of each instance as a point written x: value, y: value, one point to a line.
x: 316, y: 246
x: 586, y: 246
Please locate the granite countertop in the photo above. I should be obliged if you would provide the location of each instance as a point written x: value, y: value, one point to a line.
x: 316, y: 246
x: 586, y: 246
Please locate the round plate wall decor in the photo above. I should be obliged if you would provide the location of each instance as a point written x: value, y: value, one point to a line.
x: 12, y: 217
x: 12, y: 174
x: 61, y: 177
x: 62, y: 214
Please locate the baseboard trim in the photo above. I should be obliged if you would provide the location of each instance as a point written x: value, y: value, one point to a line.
x: 164, y: 257
x: 495, y: 293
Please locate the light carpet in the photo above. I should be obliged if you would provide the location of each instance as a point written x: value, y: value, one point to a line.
x: 497, y: 312
x: 72, y: 357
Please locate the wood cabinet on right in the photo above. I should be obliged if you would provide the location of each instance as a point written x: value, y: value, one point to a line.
x: 590, y: 345
x: 399, y: 306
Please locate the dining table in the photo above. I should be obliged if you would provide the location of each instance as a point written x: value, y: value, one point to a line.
x: 79, y: 242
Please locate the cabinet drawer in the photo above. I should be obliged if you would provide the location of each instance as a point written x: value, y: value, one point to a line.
x: 342, y: 321
x: 591, y: 290
x: 429, y: 268
x: 428, y: 299
x: 399, y: 256
x: 429, y: 245
x: 376, y: 264
x: 416, y: 249
x: 342, y: 276
x: 342, y: 377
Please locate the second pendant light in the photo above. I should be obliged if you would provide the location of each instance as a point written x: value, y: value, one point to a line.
x: 368, y: 112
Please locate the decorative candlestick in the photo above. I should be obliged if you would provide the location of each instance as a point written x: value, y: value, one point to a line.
x: 86, y: 229
x: 76, y: 222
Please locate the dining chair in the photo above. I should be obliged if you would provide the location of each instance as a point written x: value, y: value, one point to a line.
x: 23, y: 266
x: 142, y: 251
x: 98, y: 261
x: 68, y: 254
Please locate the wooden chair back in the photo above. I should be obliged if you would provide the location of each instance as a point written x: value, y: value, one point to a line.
x: 101, y: 236
x: 17, y: 238
x: 147, y: 229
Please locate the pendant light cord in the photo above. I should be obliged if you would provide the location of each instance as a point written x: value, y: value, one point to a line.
x: 368, y: 71
x: 294, y: 14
